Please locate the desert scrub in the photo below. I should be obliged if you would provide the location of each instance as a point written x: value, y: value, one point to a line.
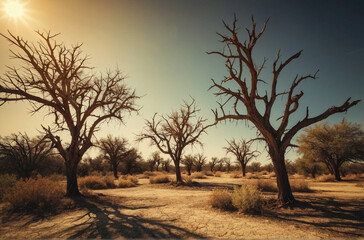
x: 235, y: 175
x: 267, y: 185
x: 299, y: 185
x: 160, y: 178
x: 247, y: 199
x: 127, y: 181
x: 97, y: 182
x: 217, y: 174
x: 187, y: 179
x: 148, y: 174
x: 326, y: 178
x: 6, y: 182
x: 41, y: 195
x: 198, y: 175
x: 208, y: 173
x: 220, y: 198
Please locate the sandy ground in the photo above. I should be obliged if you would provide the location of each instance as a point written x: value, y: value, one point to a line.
x: 333, y: 210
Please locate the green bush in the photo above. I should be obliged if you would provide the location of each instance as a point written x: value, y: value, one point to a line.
x: 247, y: 199
x: 42, y: 195
x: 220, y: 198
x: 159, y: 178
x: 6, y: 182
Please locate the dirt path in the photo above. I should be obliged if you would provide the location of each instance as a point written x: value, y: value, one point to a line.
x: 160, y: 211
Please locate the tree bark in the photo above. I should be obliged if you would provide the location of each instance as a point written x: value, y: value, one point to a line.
x: 337, y: 173
x: 72, y: 185
x: 285, y: 195
x: 243, y: 168
x: 178, y: 172
x: 115, y: 170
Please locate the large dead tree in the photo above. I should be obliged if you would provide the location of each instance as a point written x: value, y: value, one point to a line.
x: 174, y: 132
x: 54, y: 77
x: 241, y: 150
x: 245, y: 99
x: 114, y: 151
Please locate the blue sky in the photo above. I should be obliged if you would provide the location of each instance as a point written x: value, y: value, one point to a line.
x: 162, y: 45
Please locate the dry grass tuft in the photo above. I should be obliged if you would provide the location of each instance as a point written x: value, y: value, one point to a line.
x: 198, y: 175
x: 218, y: 174
x: 160, y: 178
x: 97, y: 182
x: 247, y: 199
x: 148, y: 174
x: 208, y: 173
x: 41, y: 195
x: 300, y: 185
x: 326, y: 178
x: 267, y: 185
x: 6, y: 182
x: 352, y: 177
x: 235, y: 175
x: 220, y: 198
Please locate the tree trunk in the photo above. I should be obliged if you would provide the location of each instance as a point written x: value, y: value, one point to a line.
x: 243, y: 168
x: 72, y: 186
x: 115, y: 170
x: 178, y: 172
x: 285, y: 195
x: 337, y: 173
x: 189, y: 171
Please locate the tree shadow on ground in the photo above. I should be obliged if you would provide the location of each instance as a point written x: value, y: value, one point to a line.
x: 104, y: 219
x: 341, y: 217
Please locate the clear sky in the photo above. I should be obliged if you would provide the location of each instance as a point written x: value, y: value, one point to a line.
x: 161, y: 45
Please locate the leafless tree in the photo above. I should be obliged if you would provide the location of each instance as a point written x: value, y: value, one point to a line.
x: 189, y: 162
x: 200, y: 161
x: 174, y: 132
x: 165, y: 164
x: 24, y: 155
x: 57, y: 78
x: 114, y: 151
x: 157, y: 159
x: 245, y: 100
x: 241, y: 150
x: 214, y: 161
x: 227, y: 162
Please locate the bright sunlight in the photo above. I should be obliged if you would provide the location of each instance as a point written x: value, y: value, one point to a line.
x: 14, y: 9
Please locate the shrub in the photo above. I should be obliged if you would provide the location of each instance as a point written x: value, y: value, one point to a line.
x: 6, y: 182
x: 267, y: 185
x: 92, y: 182
x: 133, y: 179
x: 220, y: 198
x: 110, y: 181
x: 57, y: 177
x: 217, y: 174
x: 148, y: 174
x: 326, y: 178
x: 160, y: 178
x: 43, y: 195
x: 251, y: 176
x: 198, y: 175
x: 188, y: 179
x: 124, y: 183
x: 235, y: 175
x: 247, y: 199
x: 352, y: 177
x: 300, y: 186
x: 208, y: 173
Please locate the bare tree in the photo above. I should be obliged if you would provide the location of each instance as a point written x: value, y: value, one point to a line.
x: 200, y: 161
x: 157, y: 159
x: 23, y: 155
x: 189, y: 162
x: 174, y: 132
x: 241, y: 150
x: 246, y: 99
x: 214, y: 161
x: 166, y: 164
x: 114, y: 151
x: 56, y: 78
x: 227, y: 162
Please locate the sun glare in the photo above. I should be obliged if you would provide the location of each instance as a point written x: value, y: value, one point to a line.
x: 14, y: 9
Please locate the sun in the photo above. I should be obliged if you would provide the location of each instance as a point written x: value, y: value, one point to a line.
x: 14, y: 9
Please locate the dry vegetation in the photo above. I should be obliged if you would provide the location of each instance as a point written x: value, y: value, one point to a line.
x: 215, y: 207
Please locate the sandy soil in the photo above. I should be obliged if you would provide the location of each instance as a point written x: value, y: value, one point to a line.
x: 333, y: 210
